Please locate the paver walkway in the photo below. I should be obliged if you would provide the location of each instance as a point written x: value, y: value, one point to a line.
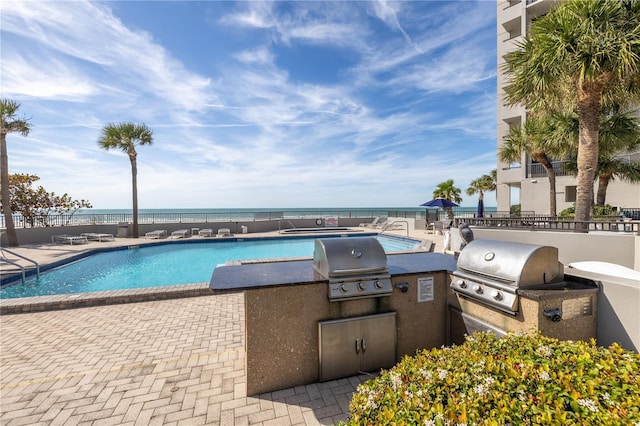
x: 172, y: 362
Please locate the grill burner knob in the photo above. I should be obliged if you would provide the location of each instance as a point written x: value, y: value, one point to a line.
x: 343, y: 288
x: 362, y: 285
x: 378, y: 284
x: 477, y: 288
x: 496, y: 295
x: 461, y: 283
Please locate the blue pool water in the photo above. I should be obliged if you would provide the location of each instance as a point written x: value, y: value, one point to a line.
x: 166, y: 264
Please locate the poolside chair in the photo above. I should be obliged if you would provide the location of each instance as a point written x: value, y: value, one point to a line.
x: 205, y: 232
x: 223, y: 232
x: 97, y: 237
x: 181, y: 233
x: 69, y: 239
x: 438, y: 227
x: 158, y: 233
x: 370, y: 224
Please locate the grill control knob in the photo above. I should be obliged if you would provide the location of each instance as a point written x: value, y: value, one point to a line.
x: 496, y: 295
x: 343, y: 288
x: 378, y: 284
x: 477, y: 288
x: 362, y: 285
x: 461, y: 283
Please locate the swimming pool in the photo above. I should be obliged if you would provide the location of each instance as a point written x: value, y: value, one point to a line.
x: 167, y: 264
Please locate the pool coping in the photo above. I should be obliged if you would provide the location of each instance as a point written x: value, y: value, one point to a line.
x: 102, y: 298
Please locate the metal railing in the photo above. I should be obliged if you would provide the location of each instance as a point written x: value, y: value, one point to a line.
x: 547, y: 223
x: 535, y: 170
x: 203, y: 217
x: 4, y: 258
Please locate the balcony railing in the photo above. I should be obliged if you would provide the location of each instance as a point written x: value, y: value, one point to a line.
x: 536, y: 170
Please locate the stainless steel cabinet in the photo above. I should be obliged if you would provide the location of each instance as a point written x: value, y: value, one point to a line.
x: 351, y: 345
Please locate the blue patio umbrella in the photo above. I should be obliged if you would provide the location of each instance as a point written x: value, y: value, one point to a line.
x: 480, y: 212
x: 439, y: 202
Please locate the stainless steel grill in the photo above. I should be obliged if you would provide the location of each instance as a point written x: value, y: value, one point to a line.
x: 492, y: 272
x: 355, y: 267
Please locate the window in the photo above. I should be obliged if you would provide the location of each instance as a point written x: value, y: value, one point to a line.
x: 570, y: 194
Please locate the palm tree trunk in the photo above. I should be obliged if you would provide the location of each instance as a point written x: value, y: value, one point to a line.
x: 603, y: 183
x: 12, y: 237
x: 134, y: 186
x: 589, y: 119
x: 551, y: 174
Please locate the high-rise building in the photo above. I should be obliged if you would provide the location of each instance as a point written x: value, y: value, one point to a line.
x: 526, y: 182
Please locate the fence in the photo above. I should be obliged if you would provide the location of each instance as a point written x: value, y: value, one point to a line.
x: 203, y: 217
x: 602, y: 223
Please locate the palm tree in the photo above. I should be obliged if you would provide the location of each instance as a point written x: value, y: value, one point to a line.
x: 448, y: 191
x: 482, y: 184
x: 611, y: 168
x: 619, y: 133
x: 9, y: 123
x: 586, y: 54
x: 126, y: 136
x: 535, y: 138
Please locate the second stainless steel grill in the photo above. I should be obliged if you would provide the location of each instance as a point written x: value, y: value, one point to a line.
x: 355, y: 267
x: 493, y: 272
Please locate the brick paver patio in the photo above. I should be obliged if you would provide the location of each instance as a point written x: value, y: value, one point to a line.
x: 170, y: 362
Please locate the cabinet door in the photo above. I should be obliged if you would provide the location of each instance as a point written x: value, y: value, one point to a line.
x: 351, y: 345
x: 338, y: 356
x: 378, y: 334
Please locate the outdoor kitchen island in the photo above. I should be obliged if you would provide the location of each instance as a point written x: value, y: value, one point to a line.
x: 291, y: 317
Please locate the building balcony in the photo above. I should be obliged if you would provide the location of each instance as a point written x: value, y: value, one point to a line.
x: 510, y: 17
x: 510, y: 175
x: 536, y: 170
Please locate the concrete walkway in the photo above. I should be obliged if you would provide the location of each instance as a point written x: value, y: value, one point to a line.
x: 175, y: 362
x: 169, y: 362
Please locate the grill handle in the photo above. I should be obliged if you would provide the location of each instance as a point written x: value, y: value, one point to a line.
x: 357, y: 271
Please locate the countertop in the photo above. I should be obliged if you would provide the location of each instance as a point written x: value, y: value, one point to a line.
x: 296, y: 272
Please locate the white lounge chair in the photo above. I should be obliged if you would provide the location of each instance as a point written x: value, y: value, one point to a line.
x: 97, y: 237
x: 205, y: 232
x: 181, y: 233
x: 69, y: 239
x: 371, y: 224
x: 223, y: 232
x: 158, y: 233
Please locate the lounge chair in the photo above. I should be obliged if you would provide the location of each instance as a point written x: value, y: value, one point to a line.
x: 223, y: 232
x: 69, y: 239
x: 205, y: 232
x: 181, y: 233
x: 97, y: 237
x: 158, y: 233
x: 371, y: 224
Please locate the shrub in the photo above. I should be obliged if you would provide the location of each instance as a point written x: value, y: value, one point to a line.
x: 605, y: 210
x: 516, y: 380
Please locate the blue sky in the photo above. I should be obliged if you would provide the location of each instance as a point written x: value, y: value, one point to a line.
x: 254, y: 104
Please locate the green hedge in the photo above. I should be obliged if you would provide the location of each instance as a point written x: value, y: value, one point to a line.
x: 516, y: 380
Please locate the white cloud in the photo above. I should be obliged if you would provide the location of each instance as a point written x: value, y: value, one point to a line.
x: 248, y: 134
x: 52, y: 79
x: 91, y: 33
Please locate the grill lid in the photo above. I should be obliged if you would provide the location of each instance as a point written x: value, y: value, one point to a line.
x: 515, y: 264
x: 353, y: 256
